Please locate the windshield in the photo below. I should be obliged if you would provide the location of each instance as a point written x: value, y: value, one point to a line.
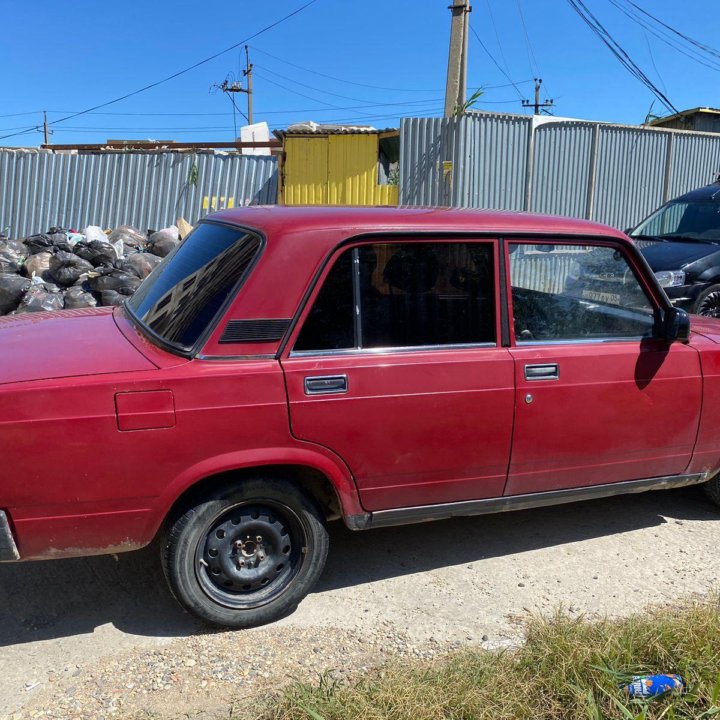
x: 180, y: 298
x: 683, y: 220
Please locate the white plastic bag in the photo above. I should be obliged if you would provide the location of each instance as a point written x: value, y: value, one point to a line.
x: 94, y: 232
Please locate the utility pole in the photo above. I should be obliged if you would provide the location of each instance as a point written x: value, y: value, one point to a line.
x: 456, y: 86
x: 235, y: 87
x: 537, y: 104
x: 248, y: 74
x: 45, y: 129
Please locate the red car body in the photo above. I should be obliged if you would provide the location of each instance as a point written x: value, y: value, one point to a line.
x: 104, y: 430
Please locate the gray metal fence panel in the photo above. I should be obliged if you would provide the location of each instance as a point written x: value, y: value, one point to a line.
x: 614, y: 174
x: 490, y: 161
x: 562, y: 170
x: 630, y: 174
x: 423, y: 148
x: 695, y: 162
x: 41, y: 188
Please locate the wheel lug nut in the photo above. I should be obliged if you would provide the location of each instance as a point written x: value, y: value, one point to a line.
x: 258, y: 538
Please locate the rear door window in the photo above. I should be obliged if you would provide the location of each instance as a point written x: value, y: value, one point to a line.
x: 405, y: 295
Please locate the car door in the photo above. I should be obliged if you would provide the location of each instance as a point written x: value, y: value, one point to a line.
x: 395, y: 365
x: 600, y: 397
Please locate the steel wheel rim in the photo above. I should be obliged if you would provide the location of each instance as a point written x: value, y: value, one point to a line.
x: 249, y: 554
x: 710, y: 305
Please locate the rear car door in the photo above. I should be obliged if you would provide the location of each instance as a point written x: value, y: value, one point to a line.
x: 395, y: 365
x: 601, y: 398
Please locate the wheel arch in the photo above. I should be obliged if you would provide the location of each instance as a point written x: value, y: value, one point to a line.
x: 325, y: 478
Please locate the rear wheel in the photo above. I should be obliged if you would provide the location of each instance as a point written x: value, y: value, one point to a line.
x: 708, y: 303
x: 712, y: 489
x: 247, y: 554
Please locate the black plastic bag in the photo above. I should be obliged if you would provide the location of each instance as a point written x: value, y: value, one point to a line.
x: 12, y: 256
x: 78, y: 297
x: 12, y: 289
x: 60, y: 242
x: 163, y: 242
x: 38, y: 243
x: 111, y: 297
x: 38, y: 299
x: 140, y: 264
x: 66, y: 268
x: 116, y: 280
x: 96, y: 252
x: 130, y: 236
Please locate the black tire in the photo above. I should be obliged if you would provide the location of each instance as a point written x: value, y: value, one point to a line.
x: 247, y: 554
x: 708, y: 302
x: 712, y: 489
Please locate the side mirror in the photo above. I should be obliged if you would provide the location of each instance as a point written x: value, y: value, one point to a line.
x: 676, y: 325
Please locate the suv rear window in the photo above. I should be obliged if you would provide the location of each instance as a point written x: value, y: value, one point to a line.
x: 183, y: 294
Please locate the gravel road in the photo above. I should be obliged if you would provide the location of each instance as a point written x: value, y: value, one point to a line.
x: 101, y: 637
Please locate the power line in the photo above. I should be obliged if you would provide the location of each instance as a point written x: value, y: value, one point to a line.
x: 267, y: 112
x: 497, y: 35
x: 407, y: 103
x: 337, y: 79
x: 655, y: 67
x: 310, y: 87
x: 32, y: 112
x: 490, y: 55
x: 296, y: 92
x: 707, y: 48
x: 532, y: 60
x: 616, y: 49
x: 688, y: 52
x: 177, y: 74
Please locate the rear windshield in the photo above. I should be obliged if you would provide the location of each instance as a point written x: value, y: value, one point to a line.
x: 180, y: 298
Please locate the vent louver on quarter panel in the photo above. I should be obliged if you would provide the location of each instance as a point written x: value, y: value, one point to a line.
x: 254, y: 331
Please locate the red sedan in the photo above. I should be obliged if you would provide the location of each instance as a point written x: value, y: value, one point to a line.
x: 284, y: 367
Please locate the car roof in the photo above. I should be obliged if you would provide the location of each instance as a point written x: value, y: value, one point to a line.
x: 709, y: 193
x: 349, y: 221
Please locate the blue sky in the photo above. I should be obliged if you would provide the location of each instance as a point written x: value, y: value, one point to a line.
x: 66, y: 57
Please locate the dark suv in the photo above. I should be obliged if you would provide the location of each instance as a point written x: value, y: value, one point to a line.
x: 681, y: 242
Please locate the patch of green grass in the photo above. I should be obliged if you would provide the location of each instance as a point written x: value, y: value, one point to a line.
x: 568, y: 668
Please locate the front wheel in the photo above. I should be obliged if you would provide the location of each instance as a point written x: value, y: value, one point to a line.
x: 708, y: 303
x: 247, y: 554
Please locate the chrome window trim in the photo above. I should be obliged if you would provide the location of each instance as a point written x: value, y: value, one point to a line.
x: 388, y: 350
x: 586, y: 341
x: 357, y: 305
x: 214, y: 358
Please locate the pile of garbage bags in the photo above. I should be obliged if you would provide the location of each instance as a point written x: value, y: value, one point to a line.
x: 67, y: 269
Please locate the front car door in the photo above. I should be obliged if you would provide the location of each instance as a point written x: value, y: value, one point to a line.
x: 396, y: 366
x: 601, y: 398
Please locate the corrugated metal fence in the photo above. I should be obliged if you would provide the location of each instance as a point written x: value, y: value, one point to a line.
x: 42, y: 188
x: 614, y: 174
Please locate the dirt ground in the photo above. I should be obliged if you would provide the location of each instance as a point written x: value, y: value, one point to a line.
x: 101, y: 637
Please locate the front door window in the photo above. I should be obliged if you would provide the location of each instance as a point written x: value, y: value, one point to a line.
x: 576, y: 292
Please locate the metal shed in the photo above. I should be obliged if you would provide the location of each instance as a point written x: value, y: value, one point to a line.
x: 335, y: 165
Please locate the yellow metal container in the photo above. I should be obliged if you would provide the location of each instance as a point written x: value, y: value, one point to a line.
x: 334, y: 169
